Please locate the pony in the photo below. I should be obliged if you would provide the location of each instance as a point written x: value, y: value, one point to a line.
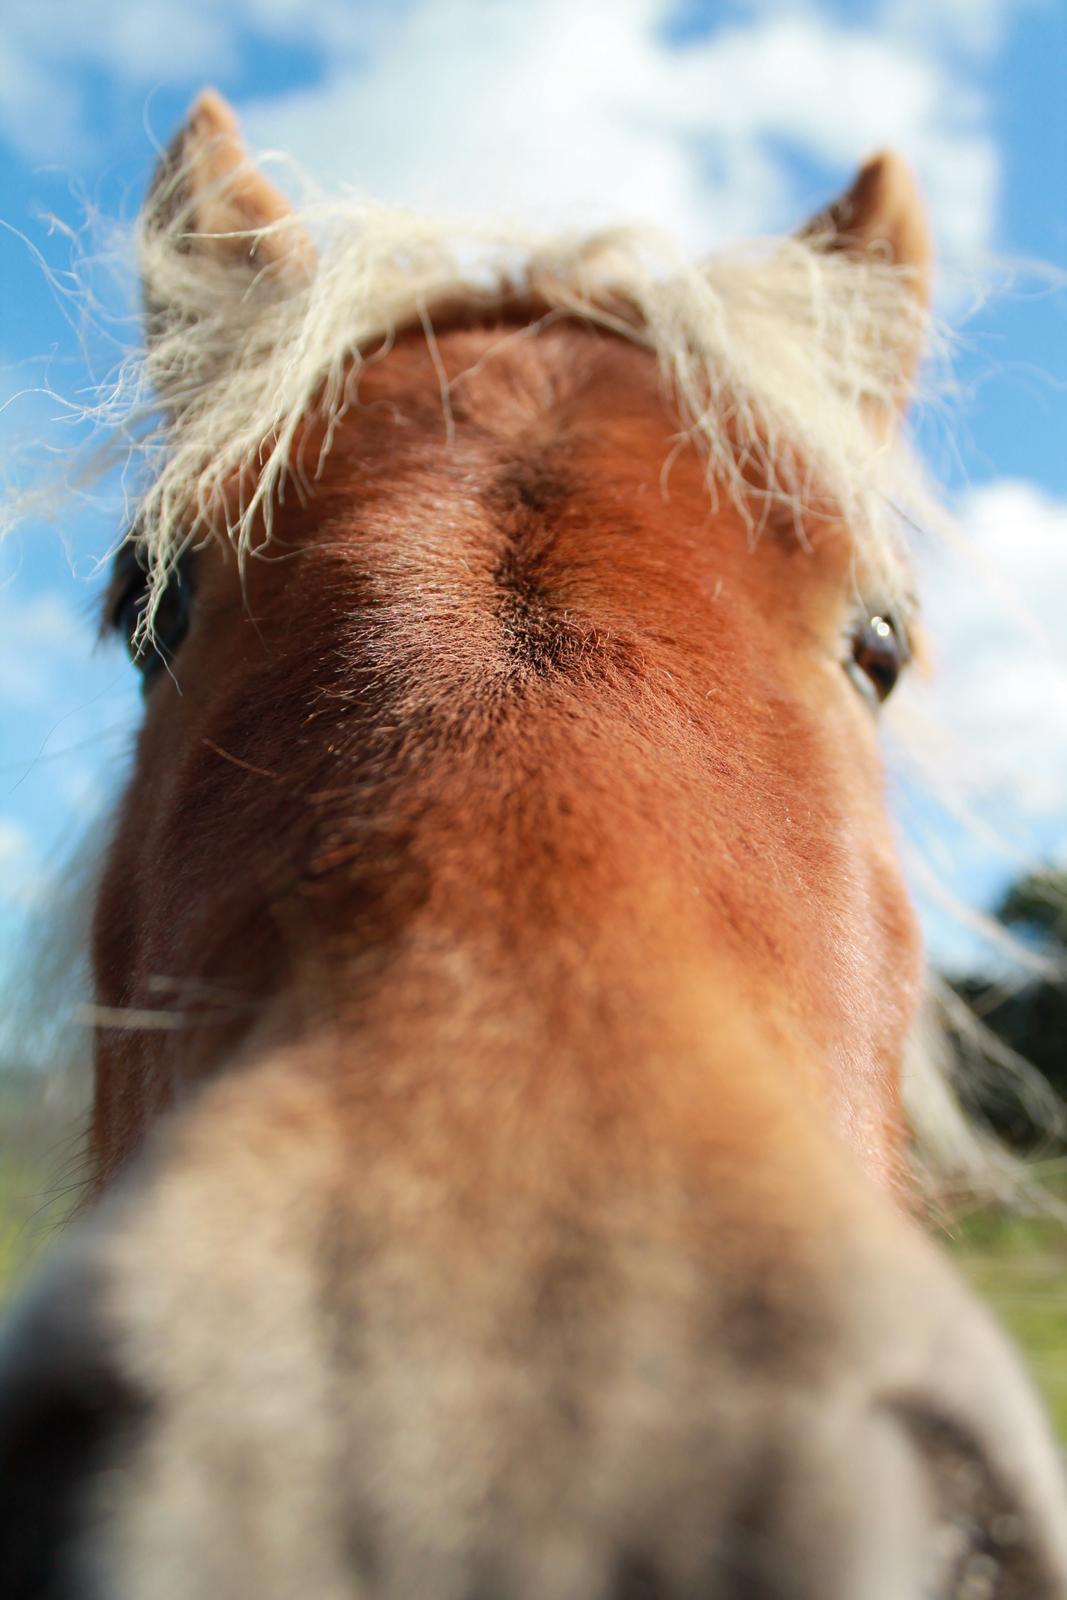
x: 501, y: 1176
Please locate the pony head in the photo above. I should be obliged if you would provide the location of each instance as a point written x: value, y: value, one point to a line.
x: 516, y: 1200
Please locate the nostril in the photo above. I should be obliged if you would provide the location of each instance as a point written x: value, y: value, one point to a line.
x: 987, y: 1541
x: 64, y: 1416
x: 49, y: 1453
x: 638, y: 1578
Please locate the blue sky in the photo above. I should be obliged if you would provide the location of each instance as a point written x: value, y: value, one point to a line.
x: 715, y: 120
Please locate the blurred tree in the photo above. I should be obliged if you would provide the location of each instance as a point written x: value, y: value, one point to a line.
x: 1029, y: 1017
x: 1038, y: 905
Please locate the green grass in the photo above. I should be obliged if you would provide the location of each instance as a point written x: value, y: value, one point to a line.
x: 1019, y: 1264
x: 39, y: 1141
x: 15, y: 1250
x: 29, y: 1214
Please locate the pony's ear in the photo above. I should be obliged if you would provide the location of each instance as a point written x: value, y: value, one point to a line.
x: 881, y: 217
x: 208, y: 206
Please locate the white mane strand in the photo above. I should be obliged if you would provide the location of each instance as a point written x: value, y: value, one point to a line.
x: 780, y: 359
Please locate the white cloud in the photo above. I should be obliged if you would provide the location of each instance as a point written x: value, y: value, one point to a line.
x: 590, y: 112
x: 997, y: 606
x: 974, y: 27
x: 544, y: 111
x: 46, y: 45
x: 549, y: 107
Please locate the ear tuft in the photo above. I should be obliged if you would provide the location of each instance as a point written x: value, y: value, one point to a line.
x: 207, y: 199
x: 881, y: 216
x: 881, y: 220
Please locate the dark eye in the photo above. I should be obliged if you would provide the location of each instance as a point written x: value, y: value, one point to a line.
x: 879, y: 654
x: 129, y: 591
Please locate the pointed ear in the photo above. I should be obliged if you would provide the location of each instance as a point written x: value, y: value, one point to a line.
x: 882, y: 218
x: 208, y: 204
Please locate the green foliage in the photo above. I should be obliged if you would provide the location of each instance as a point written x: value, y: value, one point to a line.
x: 1037, y: 904
x: 1030, y: 1017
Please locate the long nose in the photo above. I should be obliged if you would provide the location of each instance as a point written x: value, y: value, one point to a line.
x: 195, y: 1401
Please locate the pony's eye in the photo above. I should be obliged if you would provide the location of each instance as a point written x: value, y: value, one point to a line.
x: 170, y: 623
x: 878, y: 655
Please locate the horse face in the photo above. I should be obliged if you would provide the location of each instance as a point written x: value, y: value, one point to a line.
x: 515, y: 1206
x: 652, y: 728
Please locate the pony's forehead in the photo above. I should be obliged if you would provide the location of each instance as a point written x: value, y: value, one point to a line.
x: 781, y: 362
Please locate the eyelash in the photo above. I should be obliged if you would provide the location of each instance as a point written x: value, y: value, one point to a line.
x: 151, y: 652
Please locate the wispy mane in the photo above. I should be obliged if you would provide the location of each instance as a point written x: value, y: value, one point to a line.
x: 779, y: 359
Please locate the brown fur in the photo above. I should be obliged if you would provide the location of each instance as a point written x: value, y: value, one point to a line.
x: 559, y: 724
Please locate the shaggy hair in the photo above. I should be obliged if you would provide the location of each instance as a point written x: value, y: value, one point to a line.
x: 784, y: 362
x: 777, y: 358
